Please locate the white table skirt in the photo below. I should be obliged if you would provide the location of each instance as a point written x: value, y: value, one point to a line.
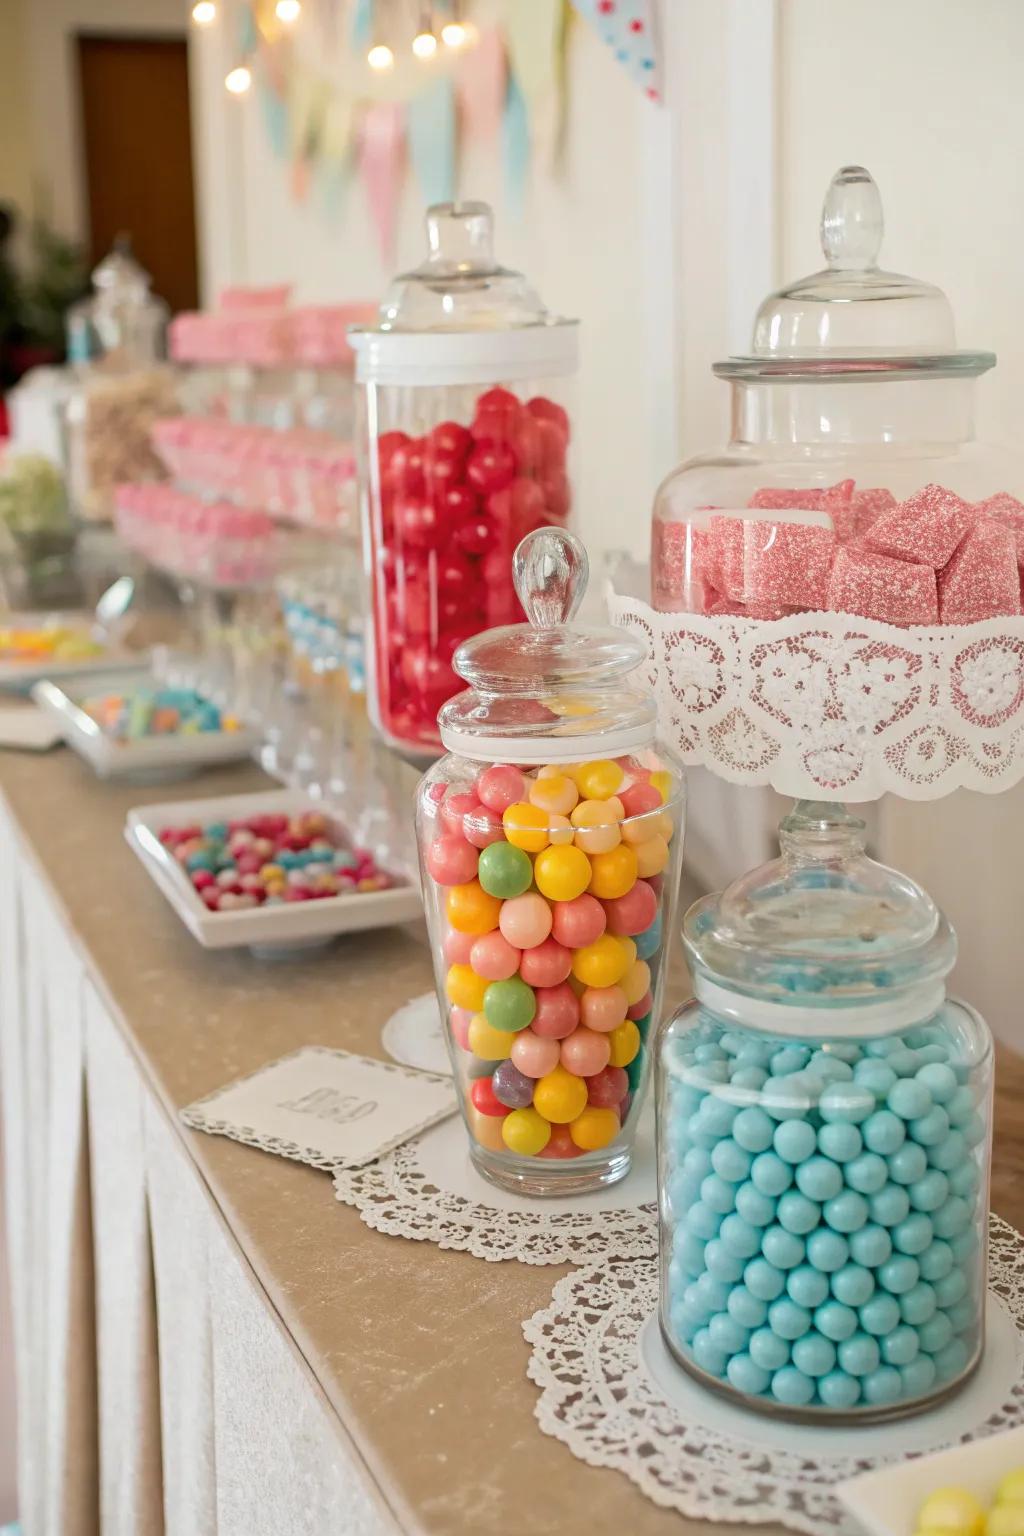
x: 157, y: 1390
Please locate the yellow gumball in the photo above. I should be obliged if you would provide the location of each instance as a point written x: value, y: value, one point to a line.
x: 1011, y: 1489
x: 600, y: 779
x: 614, y: 873
x: 526, y: 826
x: 558, y: 771
x: 629, y: 945
x: 465, y: 988
x: 640, y: 829
x: 562, y: 873
x: 556, y: 794
x: 470, y: 909
x: 560, y: 1096
x: 651, y: 857
x: 1005, y: 1520
x: 663, y: 782
x: 560, y: 830
x: 526, y: 1132
x: 594, y: 1128
x: 487, y: 1130
x: 597, y: 825
x: 952, y: 1510
x: 637, y: 982
x: 488, y: 1043
x: 625, y: 1043
x: 602, y: 963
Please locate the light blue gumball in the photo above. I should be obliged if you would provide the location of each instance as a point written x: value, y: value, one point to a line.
x: 792, y: 1388
x: 901, y: 1346
x: 964, y: 1316
x: 853, y: 1285
x: 914, y: 1234
x: 722, y: 1264
x: 753, y: 1130
x: 964, y: 1180
x: 763, y: 1280
x: 708, y: 1050
x: 889, y: 1206
x: 829, y: 1068
x: 717, y: 1115
x: 797, y: 1214
x: 850, y: 1103
x: 807, y: 1287
x: 730, y: 1161
x: 952, y: 1219
x: 936, y: 1333
x: 930, y: 1192
x: 711, y: 1293
x: 931, y: 1129
x: 838, y: 1390
x: 819, y: 1179
x: 747, y: 1376
x: 880, y: 1315
x: 965, y: 1245
x: 767, y: 1350
x: 747, y: 1309
x: 770, y: 1174
x: 847, y: 1213
x: 718, y: 1194
x: 940, y: 1081
x: 951, y: 1289
x: 702, y: 1221
x: 908, y: 1097
x: 918, y: 1304
x: 786, y: 1098
x: 871, y: 1246
x: 835, y: 1321
x: 904, y: 1063
x: 951, y: 1361
x: 827, y: 1251
x: 882, y: 1387
x: 649, y: 942
x: 884, y: 1132
x: 859, y: 1355
x: 682, y: 1325
x: 748, y: 1077
x: 840, y: 1141
x: 787, y: 1319
x: 936, y: 1261
x: 782, y: 1249
x: 795, y: 1141
x: 707, y: 1354
x: 909, y: 1164
x: 918, y: 1377
x: 754, y: 1207
x: 899, y: 1274
x: 739, y: 1237
x: 727, y: 1334
x: 789, y: 1060
x: 867, y: 1174
x: 875, y: 1076
x: 950, y: 1154
x: 814, y: 1354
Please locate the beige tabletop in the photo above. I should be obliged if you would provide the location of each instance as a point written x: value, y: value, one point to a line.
x: 419, y: 1351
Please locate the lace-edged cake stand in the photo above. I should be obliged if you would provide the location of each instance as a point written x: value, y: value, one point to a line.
x: 610, y: 1392
x: 428, y: 1190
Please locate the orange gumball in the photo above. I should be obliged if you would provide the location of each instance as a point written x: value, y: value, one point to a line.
x: 470, y: 909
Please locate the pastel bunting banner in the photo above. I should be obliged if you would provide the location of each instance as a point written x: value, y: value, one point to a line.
x: 480, y: 76
x: 515, y: 144
x: 431, y: 130
x: 630, y: 28
x: 381, y: 152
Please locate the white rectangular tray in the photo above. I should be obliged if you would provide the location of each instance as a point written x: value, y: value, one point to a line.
x: 886, y: 1502
x: 20, y: 676
x: 150, y: 756
x: 266, y: 930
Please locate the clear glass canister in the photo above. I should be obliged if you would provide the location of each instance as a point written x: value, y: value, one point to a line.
x: 464, y: 441
x: 852, y: 480
x: 550, y: 839
x: 824, y: 1140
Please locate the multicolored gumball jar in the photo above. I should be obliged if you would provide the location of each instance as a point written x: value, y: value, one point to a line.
x: 465, y: 435
x: 550, y: 839
x: 824, y: 1140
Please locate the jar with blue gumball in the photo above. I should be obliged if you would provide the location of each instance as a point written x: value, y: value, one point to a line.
x: 824, y: 1140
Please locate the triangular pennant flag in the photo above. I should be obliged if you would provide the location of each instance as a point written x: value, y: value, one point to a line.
x: 630, y: 28
x: 337, y: 130
x: 381, y: 137
x: 480, y: 85
x: 361, y: 23
x: 515, y: 133
x: 431, y: 126
x: 274, y: 111
x: 535, y: 35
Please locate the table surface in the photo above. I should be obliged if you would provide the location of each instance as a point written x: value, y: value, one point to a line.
x: 418, y: 1351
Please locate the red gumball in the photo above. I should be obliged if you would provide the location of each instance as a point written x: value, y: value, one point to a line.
x: 449, y: 641
x: 560, y: 1144
x: 421, y: 524
x: 553, y: 446
x: 483, y: 1097
x: 442, y: 475
x: 387, y: 445
x: 556, y: 494
x: 475, y: 536
x: 428, y: 674
x: 455, y: 576
x: 528, y: 445
x: 497, y: 399
x: 459, y: 502
x: 608, y: 1088
x: 410, y: 611
x: 407, y: 469
x: 548, y: 410
x: 449, y: 440
x: 491, y: 466
x: 495, y: 425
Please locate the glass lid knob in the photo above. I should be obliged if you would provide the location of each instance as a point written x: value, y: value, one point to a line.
x: 550, y: 570
x: 852, y: 224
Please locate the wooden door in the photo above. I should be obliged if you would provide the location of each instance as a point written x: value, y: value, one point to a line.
x: 137, y: 156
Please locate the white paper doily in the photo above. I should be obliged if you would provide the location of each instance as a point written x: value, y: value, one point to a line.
x: 428, y: 1190
x: 609, y: 1392
x: 823, y: 705
x: 414, y: 1036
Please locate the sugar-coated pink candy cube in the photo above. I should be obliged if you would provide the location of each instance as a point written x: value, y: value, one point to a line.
x: 727, y: 543
x: 1008, y: 510
x: 981, y: 581
x: 781, y: 498
x: 683, y: 566
x: 866, y: 507
x: 927, y: 527
x: 879, y: 587
x: 786, y: 562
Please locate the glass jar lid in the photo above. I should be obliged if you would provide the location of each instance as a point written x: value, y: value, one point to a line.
x: 461, y: 317
x: 548, y: 691
x: 852, y: 317
x: 823, y: 929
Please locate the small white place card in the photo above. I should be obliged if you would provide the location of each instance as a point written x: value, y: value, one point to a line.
x: 326, y: 1108
x: 27, y: 728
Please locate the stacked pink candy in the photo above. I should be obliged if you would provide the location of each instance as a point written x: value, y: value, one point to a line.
x: 216, y: 542
x: 267, y: 335
x: 933, y: 558
x: 303, y: 475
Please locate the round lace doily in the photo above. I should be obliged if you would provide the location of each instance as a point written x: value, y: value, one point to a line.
x: 428, y: 1190
x: 611, y: 1394
x: 825, y: 706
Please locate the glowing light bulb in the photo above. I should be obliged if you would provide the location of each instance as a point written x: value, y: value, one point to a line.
x: 424, y: 45
x: 380, y: 57
x: 204, y: 12
x: 288, y: 11
x: 238, y: 80
x: 455, y: 34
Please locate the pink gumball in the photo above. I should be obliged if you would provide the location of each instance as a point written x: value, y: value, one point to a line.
x: 608, y: 1088
x: 455, y: 808
x: 500, y: 786
x: 494, y: 958
x: 656, y: 882
x: 561, y: 1144
x: 461, y: 1019
x: 458, y: 946
x: 546, y: 964
x: 603, y: 1008
x: 452, y: 861
x: 579, y: 922
x: 634, y: 912
x: 525, y: 920
x: 641, y: 1009
x: 585, y: 1053
x: 638, y: 799
x: 534, y: 1055
x: 558, y: 1011
x: 482, y: 827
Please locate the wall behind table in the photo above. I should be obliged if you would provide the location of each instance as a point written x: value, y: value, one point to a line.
x: 581, y: 240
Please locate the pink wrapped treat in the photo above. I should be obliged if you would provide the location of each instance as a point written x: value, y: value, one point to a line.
x: 981, y: 581
x: 877, y: 587
x: 926, y: 528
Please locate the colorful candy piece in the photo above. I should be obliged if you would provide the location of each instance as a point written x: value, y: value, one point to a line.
x: 879, y: 587
x: 981, y: 580
x: 926, y: 528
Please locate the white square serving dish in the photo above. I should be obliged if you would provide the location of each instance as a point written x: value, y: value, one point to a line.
x: 266, y: 930
x: 150, y: 757
x: 886, y: 1501
x: 20, y: 674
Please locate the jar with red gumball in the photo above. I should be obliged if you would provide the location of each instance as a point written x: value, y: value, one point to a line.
x: 465, y: 438
x: 550, y: 839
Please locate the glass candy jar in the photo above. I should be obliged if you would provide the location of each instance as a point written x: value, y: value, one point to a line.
x: 851, y: 481
x: 550, y: 839
x: 464, y: 445
x: 824, y: 1138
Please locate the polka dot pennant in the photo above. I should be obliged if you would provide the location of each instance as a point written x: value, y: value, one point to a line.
x: 629, y: 27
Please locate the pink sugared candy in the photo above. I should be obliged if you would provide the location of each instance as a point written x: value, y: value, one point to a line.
x: 926, y: 528
x: 866, y: 507
x: 450, y: 860
x: 877, y: 587
x: 981, y: 581
x: 1008, y: 510
x: 786, y: 559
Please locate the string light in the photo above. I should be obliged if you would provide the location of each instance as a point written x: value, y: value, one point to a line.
x: 204, y: 13
x: 288, y: 11
x: 454, y: 34
x: 238, y: 80
x: 380, y: 57
x: 424, y: 45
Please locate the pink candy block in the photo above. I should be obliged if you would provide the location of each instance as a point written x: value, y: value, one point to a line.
x: 684, y: 567
x: 778, y: 498
x: 787, y: 564
x: 981, y: 580
x: 877, y: 587
x: 1008, y: 510
x: 866, y: 507
x: 926, y: 528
